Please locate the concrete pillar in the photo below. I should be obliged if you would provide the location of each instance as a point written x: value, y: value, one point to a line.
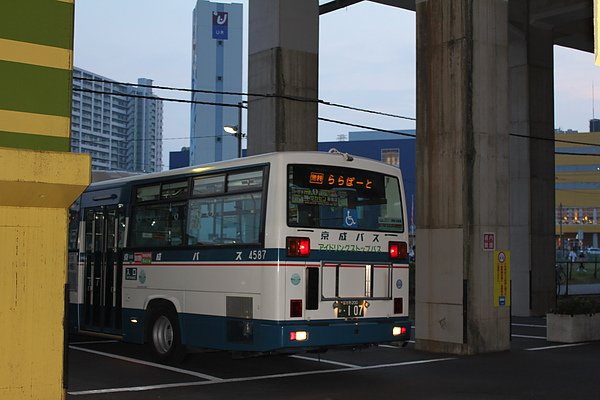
x: 463, y: 164
x: 283, y: 61
x: 532, y: 218
x: 39, y: 179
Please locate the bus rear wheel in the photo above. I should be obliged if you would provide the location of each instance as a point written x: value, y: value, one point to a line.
x: 164, y: 336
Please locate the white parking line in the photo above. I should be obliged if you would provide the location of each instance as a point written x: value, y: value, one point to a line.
x: 95, y: 341
x: 389, y: 346
x: 252, y: 378
x: 529, y: 337
x: 149, y: 364
x: 529, y: 325
x: 341, y: 364
x: 559, y: 346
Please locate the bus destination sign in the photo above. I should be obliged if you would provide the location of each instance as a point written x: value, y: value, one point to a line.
x: 349, y: 181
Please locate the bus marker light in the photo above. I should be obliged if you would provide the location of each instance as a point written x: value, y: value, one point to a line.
x: 398, y: 331
x: 398, y: 305
x: 295, y: 308
x: 298, y: 246
x: 299, y: 336
x: 133, y: 320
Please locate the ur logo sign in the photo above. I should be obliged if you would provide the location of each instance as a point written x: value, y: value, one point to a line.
x: 220, y: 25
x: 221, y: 17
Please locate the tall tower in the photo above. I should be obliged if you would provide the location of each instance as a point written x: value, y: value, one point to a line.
x: 216, y: 67
x: 145, y: 130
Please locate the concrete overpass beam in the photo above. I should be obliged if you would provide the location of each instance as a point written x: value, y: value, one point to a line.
x: 284, y: 62
x: 531, y: 99
x: 463, y: 164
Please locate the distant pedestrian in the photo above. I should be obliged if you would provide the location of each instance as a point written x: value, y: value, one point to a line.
x: 572, y: 256
x: 581, y: 267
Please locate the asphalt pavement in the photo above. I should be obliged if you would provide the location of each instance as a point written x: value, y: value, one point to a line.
x: 533, y: 368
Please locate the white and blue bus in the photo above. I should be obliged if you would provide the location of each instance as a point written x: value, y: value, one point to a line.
x: 281, y: 252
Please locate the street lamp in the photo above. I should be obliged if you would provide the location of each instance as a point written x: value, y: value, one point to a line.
x: 236, y: 130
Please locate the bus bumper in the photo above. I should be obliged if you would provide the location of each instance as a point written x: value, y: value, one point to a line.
x: 287, y: 336
x: 325, y: 334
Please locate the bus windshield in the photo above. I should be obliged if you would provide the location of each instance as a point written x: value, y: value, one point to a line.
x: 332, y: 197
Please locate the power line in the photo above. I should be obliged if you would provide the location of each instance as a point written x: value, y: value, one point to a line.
x: 293, y: 98
x: 366, y: 127
x: 153, y: 97
x: 240, y: 105
x: 560, y: 153
x: 124, y: 140
x: 554, y: 140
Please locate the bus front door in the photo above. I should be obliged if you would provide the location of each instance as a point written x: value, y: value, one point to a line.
x: 104, y: 238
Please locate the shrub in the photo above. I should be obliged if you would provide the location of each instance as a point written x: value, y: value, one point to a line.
x: 577, y: 305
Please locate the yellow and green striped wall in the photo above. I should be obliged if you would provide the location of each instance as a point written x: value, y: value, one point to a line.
x: 36, y: 62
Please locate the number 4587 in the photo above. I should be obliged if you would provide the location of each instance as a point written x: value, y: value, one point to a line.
x: 257, y: 254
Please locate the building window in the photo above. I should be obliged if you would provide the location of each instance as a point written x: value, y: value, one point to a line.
x: 391, y: 157
x: 219, y: 78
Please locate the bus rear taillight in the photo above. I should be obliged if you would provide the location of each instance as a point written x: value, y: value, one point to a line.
x: 299, y: 336
x: 398, y: 250
x: 398, y: 331
x: 298, y: 247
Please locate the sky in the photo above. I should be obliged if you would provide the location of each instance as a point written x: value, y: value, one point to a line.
x: 367, y: 57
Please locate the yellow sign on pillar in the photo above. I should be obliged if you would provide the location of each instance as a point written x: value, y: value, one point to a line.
x: 597, y: 32
x: 502, y: 278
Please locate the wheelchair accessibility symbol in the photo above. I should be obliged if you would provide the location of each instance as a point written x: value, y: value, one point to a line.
x: 351, y: 217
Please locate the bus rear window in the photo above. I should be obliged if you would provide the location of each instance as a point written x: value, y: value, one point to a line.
x: 343, y: 198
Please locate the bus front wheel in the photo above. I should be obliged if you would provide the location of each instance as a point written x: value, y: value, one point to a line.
x: 164, y: 336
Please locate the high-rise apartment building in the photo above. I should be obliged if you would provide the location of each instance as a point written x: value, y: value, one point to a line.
x: 144, y: 152
x: 216, y: 67
x: 119, y: 125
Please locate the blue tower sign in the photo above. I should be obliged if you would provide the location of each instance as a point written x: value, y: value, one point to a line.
x: 219, y: 25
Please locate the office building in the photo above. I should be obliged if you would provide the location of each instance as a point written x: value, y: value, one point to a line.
x: 577, y: 190
x: 216, y: 68
x: 119, y: 125
x: 179, y: 159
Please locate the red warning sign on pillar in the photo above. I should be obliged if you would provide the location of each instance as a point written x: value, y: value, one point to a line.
x: 489, y: 241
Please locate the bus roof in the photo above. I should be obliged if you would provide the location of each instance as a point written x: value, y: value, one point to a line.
x: 333, y: 156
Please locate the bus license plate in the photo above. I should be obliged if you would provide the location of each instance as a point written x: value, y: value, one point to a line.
x: 350, y: 309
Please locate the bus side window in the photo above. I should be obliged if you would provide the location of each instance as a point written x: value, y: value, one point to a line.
x: 225, y: 219
x: 159, y: 225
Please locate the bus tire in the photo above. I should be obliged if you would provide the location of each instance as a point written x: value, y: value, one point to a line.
x: 163, y: 336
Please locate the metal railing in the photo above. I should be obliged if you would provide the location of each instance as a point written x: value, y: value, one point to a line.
x: 578, y: 277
